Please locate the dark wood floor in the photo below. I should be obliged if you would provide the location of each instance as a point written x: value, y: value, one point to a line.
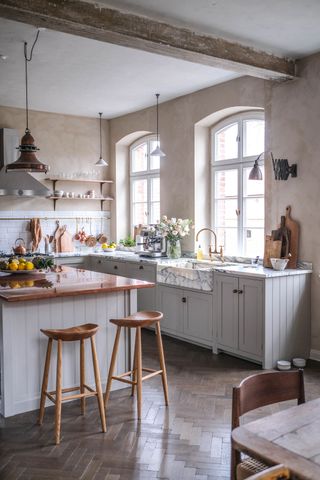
x: 188, y: 440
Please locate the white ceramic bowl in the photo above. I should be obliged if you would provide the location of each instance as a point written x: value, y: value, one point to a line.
x: 299, y: 362
x: 283, y: 365
x: 279, y: 263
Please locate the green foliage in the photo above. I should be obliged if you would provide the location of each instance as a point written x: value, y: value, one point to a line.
x: 128, y: 241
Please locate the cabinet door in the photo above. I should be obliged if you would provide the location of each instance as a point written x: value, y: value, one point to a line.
x: 227, y: 311
x: 114, y: 267
x: 171, y: 304
x: 251, y: 316
x: 198, y: 321
x: 96, y: 264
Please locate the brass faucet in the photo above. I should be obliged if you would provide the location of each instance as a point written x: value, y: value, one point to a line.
x: 211, y: 252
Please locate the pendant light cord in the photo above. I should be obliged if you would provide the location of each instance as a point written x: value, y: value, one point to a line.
x: 157, y: 95
x: 100, y: 137
x: 28, y: 59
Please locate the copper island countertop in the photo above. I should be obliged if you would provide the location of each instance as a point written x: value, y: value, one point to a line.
x: 64, y: 282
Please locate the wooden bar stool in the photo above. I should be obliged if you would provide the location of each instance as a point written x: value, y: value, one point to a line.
x: 73, y: 334
x: 137, y: 321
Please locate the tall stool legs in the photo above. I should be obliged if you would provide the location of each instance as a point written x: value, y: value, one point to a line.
x: 137, y: 321
x: 79, y: 333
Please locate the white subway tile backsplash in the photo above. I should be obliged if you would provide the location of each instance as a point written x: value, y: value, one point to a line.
x: 10, y: 229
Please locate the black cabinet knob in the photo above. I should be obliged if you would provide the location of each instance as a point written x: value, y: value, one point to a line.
x: 141, y: 267
x: 99, y: 261
x: 115, y: 267
x: 235, y: 291
x: 183, y: 299
x: 240, y: 291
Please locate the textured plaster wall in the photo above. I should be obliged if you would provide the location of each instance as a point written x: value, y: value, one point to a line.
x: 293, y: 125
x: 177, y: 129
x: 68, y: 144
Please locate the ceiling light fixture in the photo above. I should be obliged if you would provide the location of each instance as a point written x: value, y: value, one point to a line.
x: 27, y: 161
x: 281, y: 169
x: 101, y: 162
x: 157, y: 152
x: 3, y: 57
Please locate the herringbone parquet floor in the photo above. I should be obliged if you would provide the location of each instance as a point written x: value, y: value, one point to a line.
x: 189, y: 440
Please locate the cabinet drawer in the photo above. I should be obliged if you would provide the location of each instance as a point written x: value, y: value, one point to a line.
x: 141, y: 271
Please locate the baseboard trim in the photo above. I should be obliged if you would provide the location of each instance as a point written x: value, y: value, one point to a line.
x: 315, y: 355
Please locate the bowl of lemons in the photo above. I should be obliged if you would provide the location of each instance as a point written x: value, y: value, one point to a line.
x: 23, y: 266
x: 109, y: 247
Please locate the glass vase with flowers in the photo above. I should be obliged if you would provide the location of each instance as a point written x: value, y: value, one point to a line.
x: 174, y: 230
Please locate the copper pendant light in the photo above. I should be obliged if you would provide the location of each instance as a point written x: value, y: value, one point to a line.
x: 27, y: 162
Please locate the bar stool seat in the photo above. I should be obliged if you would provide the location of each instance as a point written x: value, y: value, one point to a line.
x: 137, y: 321
x: 78, y: 333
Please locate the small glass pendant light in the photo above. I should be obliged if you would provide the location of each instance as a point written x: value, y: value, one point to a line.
x: 255, y: 173
x: 157, y: 152
x: 101, y: 162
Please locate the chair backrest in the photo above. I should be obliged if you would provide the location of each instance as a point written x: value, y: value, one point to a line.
x: 265, y: 389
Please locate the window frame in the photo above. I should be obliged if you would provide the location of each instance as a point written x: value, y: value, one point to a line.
x: 239, y: 164
x: 148, y: 174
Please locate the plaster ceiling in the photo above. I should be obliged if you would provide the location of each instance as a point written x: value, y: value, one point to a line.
x: 79, y: 76
x: 283, y: 27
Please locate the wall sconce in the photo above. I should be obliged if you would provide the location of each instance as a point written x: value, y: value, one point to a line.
x: 281, y: 169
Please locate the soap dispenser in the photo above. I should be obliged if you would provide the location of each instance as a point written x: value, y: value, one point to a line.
x: 199, y: 253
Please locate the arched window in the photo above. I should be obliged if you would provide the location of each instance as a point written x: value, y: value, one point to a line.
x: 238, y: 203
x: 144, y: 182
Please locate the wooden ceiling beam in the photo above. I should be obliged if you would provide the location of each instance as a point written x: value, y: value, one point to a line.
x: 113, y: 26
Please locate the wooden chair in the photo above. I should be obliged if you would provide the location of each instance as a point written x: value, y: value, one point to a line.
x: 79, y: 333
x: 258, y: 391
x: 137, y: 321
x: 279, y: 472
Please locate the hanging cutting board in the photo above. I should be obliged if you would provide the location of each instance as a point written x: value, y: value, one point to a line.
x: 272, y: 249
x: 56, y: 238
x: 66, y: 244
x: 294, y: 229
x: 282, y: 234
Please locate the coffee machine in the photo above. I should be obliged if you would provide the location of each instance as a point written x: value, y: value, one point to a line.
x: 151, y: 242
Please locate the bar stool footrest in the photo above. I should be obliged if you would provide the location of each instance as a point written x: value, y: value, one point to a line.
x: 91, y: 393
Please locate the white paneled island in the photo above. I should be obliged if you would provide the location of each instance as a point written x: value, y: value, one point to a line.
x: 60, y: 299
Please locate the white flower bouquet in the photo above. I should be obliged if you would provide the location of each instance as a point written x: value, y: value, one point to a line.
x: 175, y: 229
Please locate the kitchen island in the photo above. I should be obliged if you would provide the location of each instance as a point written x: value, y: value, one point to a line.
x: 59, y: 299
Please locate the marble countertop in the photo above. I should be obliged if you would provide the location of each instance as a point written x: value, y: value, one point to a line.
x: 65, y: 281
x: 245, y: 269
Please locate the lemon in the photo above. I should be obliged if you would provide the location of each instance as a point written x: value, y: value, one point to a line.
x: 29, y: 266
x: 13, y: 266
x: 104, y: 246
x: 21, y: 266
x: 29, y: 283
x: 15, y: 260
x: 22, y: 260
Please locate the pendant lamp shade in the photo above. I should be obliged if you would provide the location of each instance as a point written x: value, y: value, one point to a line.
x: 157, y: 152
x: 101, y: 162
x: 27, y: 162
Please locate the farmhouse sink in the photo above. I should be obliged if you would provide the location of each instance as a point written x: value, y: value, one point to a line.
x: 186, y: 274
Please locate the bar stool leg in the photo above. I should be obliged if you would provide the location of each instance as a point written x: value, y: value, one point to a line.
x: 139, y: 371
x: 45, y: 382
x: 98, y: 384
x: 162, y: 364
x: 134, y: 368
x: 82, y: 376
x: 112, y: 365
x: 58, y: 393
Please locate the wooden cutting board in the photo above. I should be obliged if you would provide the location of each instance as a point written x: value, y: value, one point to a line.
x: 66, y: 243
x: 294, y: 229
x: 56, y: 239
x: 272, y: 249
x: 283, y: 234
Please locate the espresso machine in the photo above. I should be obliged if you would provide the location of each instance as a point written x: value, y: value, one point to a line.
x: 151, y: 242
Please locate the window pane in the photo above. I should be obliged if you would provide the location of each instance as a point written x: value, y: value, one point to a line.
x: 226, y: 143
x: 226, y: 213
x: 252, y: 187
x: 253, y: 243
x: 253, y: 137
x: 155, y: 212
x: 155, y: 189
x: 154, y: 161
x: 228, y: 237
x: 139, y: 190
x: 140, y: 213
x: 253, y: 212
x: 139, y: 158
x: 226, y: 183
